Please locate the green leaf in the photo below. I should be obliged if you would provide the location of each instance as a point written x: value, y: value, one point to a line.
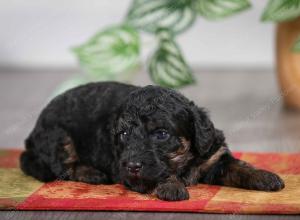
x: 110, y: 53
x: 217, y: 9
x: 281, y: 10
x: 151, y: 15
x: 167, y: 66
x: 296, y: 47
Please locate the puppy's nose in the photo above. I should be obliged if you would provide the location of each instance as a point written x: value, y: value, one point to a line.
x: 134, y: 167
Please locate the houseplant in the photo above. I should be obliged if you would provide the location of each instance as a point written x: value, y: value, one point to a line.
x: 287, y: 14
x: 113, y: 53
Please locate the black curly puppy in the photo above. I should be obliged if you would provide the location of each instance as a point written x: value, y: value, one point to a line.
x: 150, y: 139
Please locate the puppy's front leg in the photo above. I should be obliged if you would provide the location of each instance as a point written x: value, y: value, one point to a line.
x: 87, y: 174
x: 236, y: 173
x: 171, y: 190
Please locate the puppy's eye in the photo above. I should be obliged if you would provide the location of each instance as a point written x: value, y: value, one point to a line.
x: 160, y: 134
x: 124, y: 135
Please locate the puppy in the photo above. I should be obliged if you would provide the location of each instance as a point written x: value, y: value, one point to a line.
x: 151, y: 139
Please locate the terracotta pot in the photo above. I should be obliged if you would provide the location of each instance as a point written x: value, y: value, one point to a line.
x: 288, y: 63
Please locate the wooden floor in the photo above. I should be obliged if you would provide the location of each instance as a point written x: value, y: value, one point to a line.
x: 245, y: 104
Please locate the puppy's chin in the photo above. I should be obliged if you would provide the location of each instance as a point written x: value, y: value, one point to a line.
x: 139, y: 184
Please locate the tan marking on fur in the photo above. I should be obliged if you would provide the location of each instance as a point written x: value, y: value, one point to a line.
x: 70, y: 149
x: 171, y: 179
x: 237, y: 168
x: 76, y: 171
x: 81, y: 173
x: 214, y: 158
x: 181, y: 157
x: 196, y: 172
x: 72, y: 157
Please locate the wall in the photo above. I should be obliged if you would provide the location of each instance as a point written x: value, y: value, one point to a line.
x: 39, y: 33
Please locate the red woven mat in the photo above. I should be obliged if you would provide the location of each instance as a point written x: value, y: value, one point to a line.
x: 20, y: 192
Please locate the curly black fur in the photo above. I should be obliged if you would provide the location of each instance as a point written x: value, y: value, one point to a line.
x: 150, y: 139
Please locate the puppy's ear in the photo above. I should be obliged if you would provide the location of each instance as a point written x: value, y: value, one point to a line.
x: 204, y: 134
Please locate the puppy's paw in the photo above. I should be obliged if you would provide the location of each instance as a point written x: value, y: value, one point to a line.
x: 266, y: 181
x: 172, y: 191
x: 90, y: 175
